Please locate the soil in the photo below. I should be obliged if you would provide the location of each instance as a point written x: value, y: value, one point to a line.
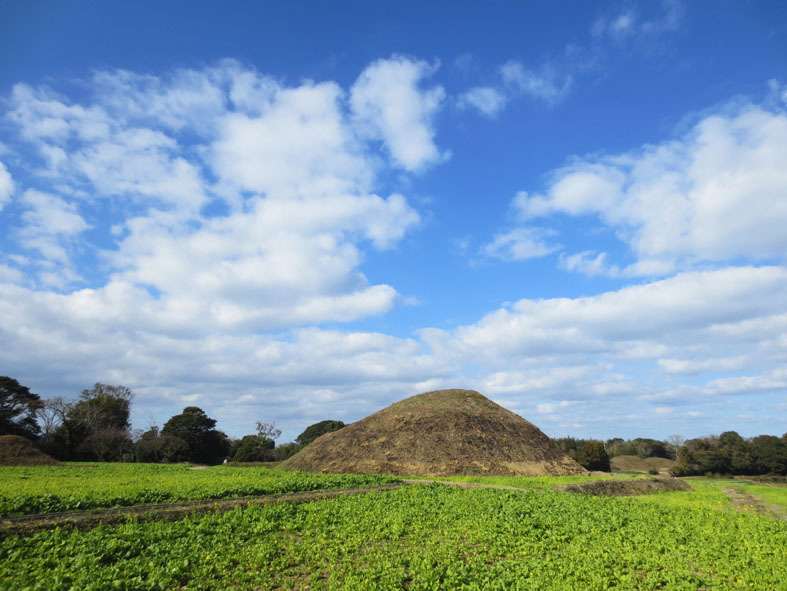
x: 25, y: 525
x: 743, y: 501
x: 619, y: 488
x: 442, y: 433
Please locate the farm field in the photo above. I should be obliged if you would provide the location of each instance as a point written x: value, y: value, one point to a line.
x: 85, y: 486
x: 416, y: 537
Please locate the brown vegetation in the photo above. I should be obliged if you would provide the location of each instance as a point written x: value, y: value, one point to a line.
x: 637, y: 464
x: 442, y: 433
x: 18, y: 451
x: 620, y: 488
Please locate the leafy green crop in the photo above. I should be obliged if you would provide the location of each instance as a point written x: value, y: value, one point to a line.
x: 77, y: 487
x: 418, y: 537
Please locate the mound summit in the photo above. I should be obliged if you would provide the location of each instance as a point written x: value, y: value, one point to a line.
x: 441, y: 433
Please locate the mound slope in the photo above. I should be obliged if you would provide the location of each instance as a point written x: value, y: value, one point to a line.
x: 441, y: 433
x: 18, y: 451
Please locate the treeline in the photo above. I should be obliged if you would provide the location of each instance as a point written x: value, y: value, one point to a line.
x: 594, y: 454
x: 96, y: 427
x: 728, y: 453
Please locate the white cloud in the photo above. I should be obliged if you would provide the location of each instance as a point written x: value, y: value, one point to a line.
x: 547, y: 84
x: 287, y: 163
x: 389, y: 105
x: 694, y: 366
x: 6, y: 185
x: 91, y: 145
x: 683, y: 201
x: 775, y: 381
x: 587, y: 263
x: 300, y: 146
x: 713, y: 306
x: 50, y: 223
x: 488, y: 100
x: 520, y: 244
x: 629, y: 23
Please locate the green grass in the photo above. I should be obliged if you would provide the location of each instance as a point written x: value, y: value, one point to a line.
x: 82, y: 486
x: 705, y: 495
x: 418, y: 537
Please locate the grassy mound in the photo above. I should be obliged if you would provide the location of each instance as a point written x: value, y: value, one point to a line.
x: 18, y: 451
x: 442, y: 433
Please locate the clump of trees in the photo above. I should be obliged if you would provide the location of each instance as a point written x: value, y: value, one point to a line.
x: 204, y: 443
x: 589, y: 453
x: 256, y: 448
x: 312, y: 432
x: 18, y: 409
x: 642, y: 447
x: 729, y: 453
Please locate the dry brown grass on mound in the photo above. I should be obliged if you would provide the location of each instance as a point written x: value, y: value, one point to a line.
x: 18, y: 451
x: 637, y: 464
x: 442, y: 433
x: 622, y: 488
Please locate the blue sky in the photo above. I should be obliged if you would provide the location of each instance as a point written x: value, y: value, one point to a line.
x: 298, y: 211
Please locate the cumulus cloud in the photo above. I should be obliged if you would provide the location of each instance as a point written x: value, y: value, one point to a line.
x: 683, y: 201
x: 636, y: 322
x: 274, y: 239
x: 390, y: 106
x: 300, y: 146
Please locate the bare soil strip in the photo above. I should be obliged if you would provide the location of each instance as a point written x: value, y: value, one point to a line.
x: 743, y: 501
x: 599, y: 488
x: 25, y: 525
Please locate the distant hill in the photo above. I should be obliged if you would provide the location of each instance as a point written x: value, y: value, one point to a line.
x: 18, y: 451
x: 637, y: 464
x: 441, y: 433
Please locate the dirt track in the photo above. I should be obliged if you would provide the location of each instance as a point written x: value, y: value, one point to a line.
x: 743, y: 501
x: 29, y: 524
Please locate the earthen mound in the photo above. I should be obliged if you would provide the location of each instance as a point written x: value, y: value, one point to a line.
x: 18, y: 451
x: 442, y: 433
x: 637, y: 464
x: 623, y: 488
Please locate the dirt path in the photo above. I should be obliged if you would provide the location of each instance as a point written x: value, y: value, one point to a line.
x: 24, y: 525
x: 465, y: 484
x: 743, y: 501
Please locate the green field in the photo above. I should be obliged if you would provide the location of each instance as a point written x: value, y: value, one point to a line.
x: 416, y: 537
x: 44, y: 489
x: 421, y: 536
